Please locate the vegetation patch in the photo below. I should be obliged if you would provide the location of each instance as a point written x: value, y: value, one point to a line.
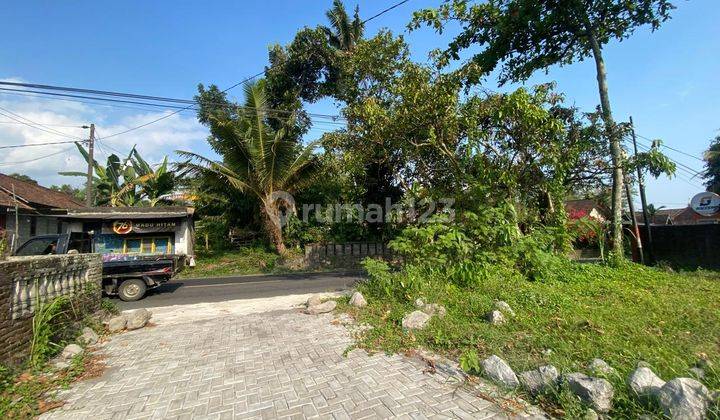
x: 622, y: 314
x: 28, y: 391
x: 244, y: 261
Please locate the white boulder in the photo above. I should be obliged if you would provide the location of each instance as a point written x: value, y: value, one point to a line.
x: 499, y: 371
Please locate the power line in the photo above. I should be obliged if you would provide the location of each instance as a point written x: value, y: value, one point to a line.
x: 159, y: 98
x: 13, y: 146
x: 46, y: 125
x: 673, y: 149
x: 36, y: 159
x: 693, y: 172
x: 682, y: 170
x: 192, y: 104
x: 384, y: 11
x: 33, y: 124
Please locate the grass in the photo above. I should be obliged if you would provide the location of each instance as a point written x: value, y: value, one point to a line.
x: 244, y: 261
x: 622, y: 315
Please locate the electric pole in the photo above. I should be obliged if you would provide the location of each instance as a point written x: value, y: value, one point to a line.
x: 643, y: 200
x: 91, y: 162
x: 636, y: 230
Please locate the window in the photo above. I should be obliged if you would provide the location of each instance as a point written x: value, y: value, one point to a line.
x: 38, y: 246
x: 33, y: 226
x: 147, y: 245
x: 133, y: 246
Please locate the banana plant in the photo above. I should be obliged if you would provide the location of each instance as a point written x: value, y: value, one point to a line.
x: 115, y: 183
x: 154, y: 184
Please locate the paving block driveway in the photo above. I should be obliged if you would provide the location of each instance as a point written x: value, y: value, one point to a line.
x: 269, y: 365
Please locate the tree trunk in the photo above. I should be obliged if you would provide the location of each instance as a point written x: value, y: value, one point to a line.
x: 271, y: 220
x: 615, y: 148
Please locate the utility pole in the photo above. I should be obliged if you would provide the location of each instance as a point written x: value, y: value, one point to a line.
x: 16, y: 237
x: 643, y: 200
x: 91, y: 162
x: 636, y: 230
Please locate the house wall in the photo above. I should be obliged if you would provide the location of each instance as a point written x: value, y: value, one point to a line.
x: 44, y: 225
x: 25, y: 281
x: 183, y: 235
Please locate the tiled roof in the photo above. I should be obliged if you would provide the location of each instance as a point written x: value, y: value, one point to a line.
x: 584, y: 206
x: 34, y: 195
x: 6, y: 200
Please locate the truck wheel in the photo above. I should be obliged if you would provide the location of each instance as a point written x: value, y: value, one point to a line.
x: 131, y: 290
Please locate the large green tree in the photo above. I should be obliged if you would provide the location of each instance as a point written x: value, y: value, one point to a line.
x: 712, y: 166
x: 257, y: 159
x: 523, y: 36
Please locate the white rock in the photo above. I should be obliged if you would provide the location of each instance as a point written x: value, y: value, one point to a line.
x: 70, y: 351
x: 503, y: 307
x: 495, y: 317
x: 645, y: 383
x: 684, y: 398
x: 419, y: 303
x: 434, y: 309
x: 358, y: 300
x: 88, y: 336
x: 540, y: 380
x: 415, y: 320
x: 322, y: 308
x: 600, y: 367
x: 117, y: 323
x: 313, y: 301
x: 596, y: 392
x: 138, y: 319
x: 498, y: 370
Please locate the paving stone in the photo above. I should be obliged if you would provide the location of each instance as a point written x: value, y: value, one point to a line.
x: 271, y: 365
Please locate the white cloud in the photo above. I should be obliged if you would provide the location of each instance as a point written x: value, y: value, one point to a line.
x: 179, y: 131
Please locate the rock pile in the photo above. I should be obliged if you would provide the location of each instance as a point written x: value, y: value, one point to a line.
x: 315, y: 306
x: 134, y: 320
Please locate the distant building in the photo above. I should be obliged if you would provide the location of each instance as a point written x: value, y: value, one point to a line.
x: 678, y: 216
x: 577, y: 209
x: 37, y: 207
x: 136, y: 230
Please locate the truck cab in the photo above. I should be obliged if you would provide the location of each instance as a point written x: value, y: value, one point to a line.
x: 127, y: 276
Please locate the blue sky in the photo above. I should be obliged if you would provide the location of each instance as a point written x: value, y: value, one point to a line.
x: 667, y: 80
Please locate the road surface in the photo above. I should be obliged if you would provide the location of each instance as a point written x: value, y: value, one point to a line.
x: 217, y: 289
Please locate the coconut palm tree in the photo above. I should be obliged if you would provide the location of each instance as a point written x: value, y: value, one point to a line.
x: 258, y: 159
x: 343, y: 33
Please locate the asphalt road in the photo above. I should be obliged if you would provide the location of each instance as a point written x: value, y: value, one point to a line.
x: 218, y: 289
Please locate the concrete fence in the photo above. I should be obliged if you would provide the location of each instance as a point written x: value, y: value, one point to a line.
x: 344, y: 255
x: 26, y: 282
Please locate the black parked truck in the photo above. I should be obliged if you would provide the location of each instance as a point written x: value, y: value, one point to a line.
x: 124, y: 275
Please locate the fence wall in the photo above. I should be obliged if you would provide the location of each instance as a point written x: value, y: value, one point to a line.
x: 686, y: 245
x: 345, y: 255
x: 26, y: 282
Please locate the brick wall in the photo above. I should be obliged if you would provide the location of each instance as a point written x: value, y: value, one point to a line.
x: 345, y: 255
x: 25, y: 281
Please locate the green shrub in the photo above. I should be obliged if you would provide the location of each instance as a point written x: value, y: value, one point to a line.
x: 42, y: 344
